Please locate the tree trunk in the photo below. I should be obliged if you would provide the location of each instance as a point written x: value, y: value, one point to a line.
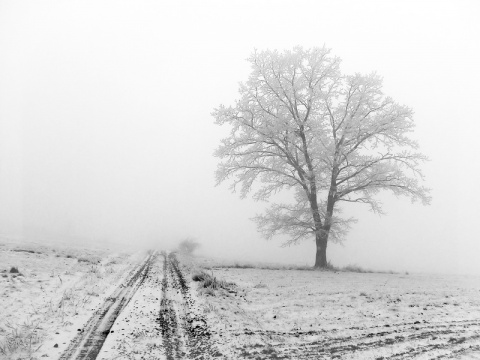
x: 321, y: 255
x: 321, y: 237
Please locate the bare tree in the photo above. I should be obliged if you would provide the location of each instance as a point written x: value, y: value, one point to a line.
x: 301, y: 125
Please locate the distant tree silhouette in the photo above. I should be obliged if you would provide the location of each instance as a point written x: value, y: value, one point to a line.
x: 188, y: 246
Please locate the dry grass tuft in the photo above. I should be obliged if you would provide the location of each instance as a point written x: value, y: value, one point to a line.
x: 23, y: 337
x: 261, y: 286
x: 359, y: 269
x: 91, y: 260
x: 329, y: 267
x: 211, y: 283
x: 355, y: 268
x: 264, y: 266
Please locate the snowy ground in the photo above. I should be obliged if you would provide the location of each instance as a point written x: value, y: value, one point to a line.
x: 53, y: 295
x: 267, y: 314
x: 301, y: 314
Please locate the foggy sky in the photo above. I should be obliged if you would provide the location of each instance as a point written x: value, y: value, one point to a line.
x: 106, y: 130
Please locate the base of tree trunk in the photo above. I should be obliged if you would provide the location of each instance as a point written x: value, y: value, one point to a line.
x: 321, y: 255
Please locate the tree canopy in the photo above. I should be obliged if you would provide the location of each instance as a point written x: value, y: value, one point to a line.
x: 301, y: 125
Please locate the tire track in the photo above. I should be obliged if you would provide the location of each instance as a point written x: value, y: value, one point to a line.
x: 199, y: 340
x: 452, y: 338
x: 451, y: 347
x: 168, y: 318
x: 185, y: 331
x: 87, y: 344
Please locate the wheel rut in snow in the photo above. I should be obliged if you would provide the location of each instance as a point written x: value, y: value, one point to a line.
x: 168, y: 318
x: 184, y: 329
x: 88, y: 343
x: 405, y: 340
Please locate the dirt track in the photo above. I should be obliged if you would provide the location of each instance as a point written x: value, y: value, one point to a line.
x: 88, y: 343
x: 184, y: 329
x: 181, y: 329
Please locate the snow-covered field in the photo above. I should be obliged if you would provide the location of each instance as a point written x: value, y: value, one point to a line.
x: 294, y: 314
x: 267, y: 313
x: 53, y: 294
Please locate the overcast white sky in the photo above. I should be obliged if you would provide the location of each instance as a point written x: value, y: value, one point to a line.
x: 106, y: 132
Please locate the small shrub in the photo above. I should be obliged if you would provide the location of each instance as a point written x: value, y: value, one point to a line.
x: 242, y: 266
x: 356, y: 268
x: 359, y: 269
x: 188, y: 246
x: 90, y: 260
x: 14, y: 270
x: 260, y: 286
x: 330, y: 266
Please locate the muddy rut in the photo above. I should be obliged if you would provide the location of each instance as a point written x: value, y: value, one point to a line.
x: 184, y: 329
